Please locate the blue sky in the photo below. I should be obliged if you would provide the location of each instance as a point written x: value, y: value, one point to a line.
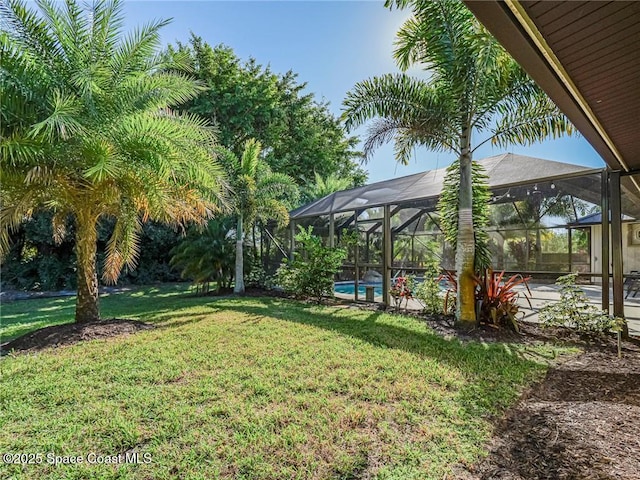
x: 331, y: 45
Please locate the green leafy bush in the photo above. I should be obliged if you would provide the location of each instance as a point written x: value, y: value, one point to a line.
x: 574, y: 311
x: 257, y: 276
x: 314, y: 266
x: 429, y: 291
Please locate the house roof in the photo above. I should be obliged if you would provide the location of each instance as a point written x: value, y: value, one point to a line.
x: 596, y: 219
x: 505, y: 171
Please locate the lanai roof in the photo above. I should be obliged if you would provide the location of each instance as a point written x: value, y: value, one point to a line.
x: 505, y: 171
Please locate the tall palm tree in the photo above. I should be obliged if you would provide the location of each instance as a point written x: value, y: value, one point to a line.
x: 258, y: 195
x: 86, y: 131
x: 324, y: 186
x: 475, y: 87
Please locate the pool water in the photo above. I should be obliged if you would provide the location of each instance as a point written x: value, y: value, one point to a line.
x: 349, y: 288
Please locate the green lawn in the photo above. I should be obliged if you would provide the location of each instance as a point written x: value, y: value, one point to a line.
x: 252, y: 389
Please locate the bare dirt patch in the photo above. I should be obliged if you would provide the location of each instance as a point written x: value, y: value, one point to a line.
x: 70, y: 333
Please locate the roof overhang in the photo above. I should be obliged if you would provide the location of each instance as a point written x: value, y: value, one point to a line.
x: 585, y: 55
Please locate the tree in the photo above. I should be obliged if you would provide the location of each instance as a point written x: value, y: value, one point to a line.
x: 475, y: 87
x: 299, y: 135
x: 86, y: 131
x: 258, y: 194
x: 324, y: 186
x: 206, y: 255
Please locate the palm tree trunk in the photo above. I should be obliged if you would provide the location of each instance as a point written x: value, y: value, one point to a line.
x: 87, y: 299
x: 465, y: 249
x: 239, y: 286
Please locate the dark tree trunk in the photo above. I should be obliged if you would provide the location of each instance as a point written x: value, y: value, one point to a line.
x: 87, y: 309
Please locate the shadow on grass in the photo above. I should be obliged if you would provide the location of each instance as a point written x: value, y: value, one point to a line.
x: 494, y: 372
x: 148, y: 304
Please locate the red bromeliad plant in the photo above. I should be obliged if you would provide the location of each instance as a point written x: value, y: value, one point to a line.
x: 496, y: 299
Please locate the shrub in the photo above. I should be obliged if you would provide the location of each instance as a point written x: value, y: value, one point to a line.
x: 401, y: 290
x: 257, y: 277
x: 574, y: 311
x: 207, y: 255
x: 497, y: 300
x: 429, y: 292
x: 313, y: 269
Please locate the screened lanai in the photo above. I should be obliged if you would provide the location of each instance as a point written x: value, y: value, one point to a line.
x: 537, y: 210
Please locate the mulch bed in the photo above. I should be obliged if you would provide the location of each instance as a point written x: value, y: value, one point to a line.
x: 70, y: 333
x: 582, y: 422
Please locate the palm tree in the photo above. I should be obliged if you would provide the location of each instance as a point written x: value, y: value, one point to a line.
x: 325, y: 186
x: 475, y: 87
x: 206, y: 255
x: 259, y: 195
x: 86, y: 131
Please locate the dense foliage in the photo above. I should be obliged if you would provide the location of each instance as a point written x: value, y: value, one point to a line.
x: 312, y: 271
x: 245, y: 100
x: 300, y: 138
x: 35, y: 261
x: 205, y: 256
x: 324, y: 186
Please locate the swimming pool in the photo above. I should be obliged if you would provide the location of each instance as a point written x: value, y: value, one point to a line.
x: 349, y: 288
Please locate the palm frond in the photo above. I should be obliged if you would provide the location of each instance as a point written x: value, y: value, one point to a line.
x: 402, y: 107
x: 19, y: 150
x: 436, y: 36
x: 123, y: 245
x: 136, y: 52
x: 62, y: 122
x: 531, y: 123
x: 250, y: 157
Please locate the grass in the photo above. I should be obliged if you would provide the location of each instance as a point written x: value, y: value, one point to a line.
x: 252, y: 389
